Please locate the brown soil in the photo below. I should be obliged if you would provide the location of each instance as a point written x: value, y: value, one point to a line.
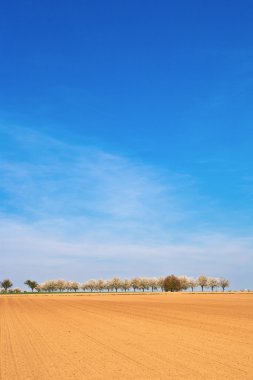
x: 163, y: 336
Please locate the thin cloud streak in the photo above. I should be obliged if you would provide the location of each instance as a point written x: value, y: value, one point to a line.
x: 59, y: 180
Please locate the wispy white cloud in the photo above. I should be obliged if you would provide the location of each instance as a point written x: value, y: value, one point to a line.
x: 54, y: 180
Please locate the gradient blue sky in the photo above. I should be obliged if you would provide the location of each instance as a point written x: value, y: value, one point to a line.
x: 126, y: 139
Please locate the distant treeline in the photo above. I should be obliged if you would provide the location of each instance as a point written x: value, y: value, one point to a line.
x: 170, y: 283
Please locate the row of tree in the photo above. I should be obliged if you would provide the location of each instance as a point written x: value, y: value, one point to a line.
x: 169, y: 283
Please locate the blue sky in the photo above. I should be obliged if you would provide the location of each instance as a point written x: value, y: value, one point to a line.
x: 126, y: 139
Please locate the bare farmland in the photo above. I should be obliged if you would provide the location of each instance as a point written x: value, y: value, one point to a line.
x: 162, y: 336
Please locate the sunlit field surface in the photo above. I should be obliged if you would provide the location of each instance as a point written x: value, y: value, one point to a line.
x: 160, y: 336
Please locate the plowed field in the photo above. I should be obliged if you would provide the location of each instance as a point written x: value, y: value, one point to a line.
x: 163, y: 336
